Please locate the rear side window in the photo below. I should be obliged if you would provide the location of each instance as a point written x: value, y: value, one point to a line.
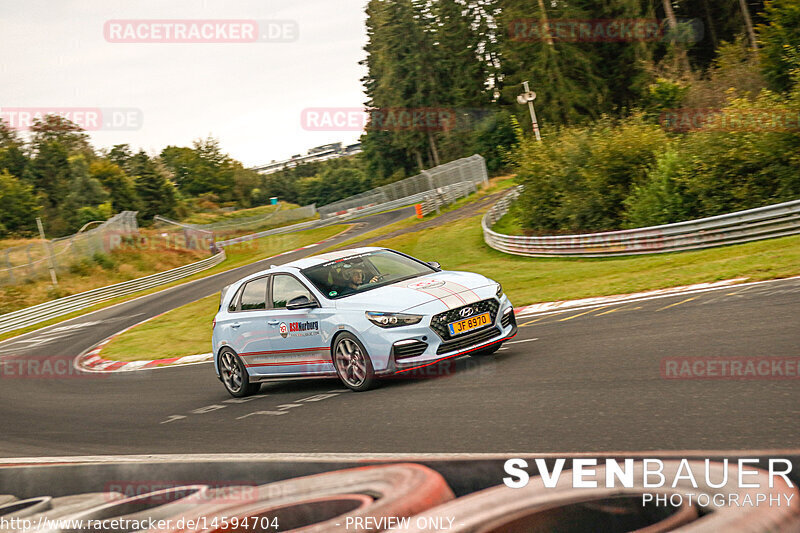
x: 285, y: 288
x: 254, y: 295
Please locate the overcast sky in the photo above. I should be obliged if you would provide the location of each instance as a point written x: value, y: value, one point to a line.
x: 250, y: 96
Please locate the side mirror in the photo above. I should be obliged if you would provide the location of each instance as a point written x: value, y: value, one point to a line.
x: 301, y: 302
x: 435, y: 265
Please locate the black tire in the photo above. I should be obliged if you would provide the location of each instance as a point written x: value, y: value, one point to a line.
x: 487, y: 351
x: 352, y: 363
x: 234, y: 375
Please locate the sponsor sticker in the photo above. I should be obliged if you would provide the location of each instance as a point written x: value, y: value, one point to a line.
x: 426, y: 284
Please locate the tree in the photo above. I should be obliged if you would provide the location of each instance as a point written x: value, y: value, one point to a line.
x: 155, y: 190
x: 205, y: 168
x: 780, y: 42
x: 20, y: 206
x: 54, y: 128
x: 49, y: 172
x: 12, y: 155
x: 120, y: 186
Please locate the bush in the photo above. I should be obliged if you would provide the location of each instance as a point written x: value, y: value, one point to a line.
x: 104, y: 261
x: 579, y: 178
x: 659, y: 200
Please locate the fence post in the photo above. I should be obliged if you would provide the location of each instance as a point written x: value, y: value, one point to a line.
x: 10, y: 269
x: 430, y: 179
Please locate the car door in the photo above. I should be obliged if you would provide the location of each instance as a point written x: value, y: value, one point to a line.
x: 298, y: 345
x: 245, y: 327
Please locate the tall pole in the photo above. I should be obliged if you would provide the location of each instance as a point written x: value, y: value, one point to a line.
x: 533, y: 112
x: 48, y: 251
x: 748, y: 22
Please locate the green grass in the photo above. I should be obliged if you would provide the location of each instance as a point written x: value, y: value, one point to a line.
x: 237, y: 255
x: 508, y: 225
x: 460, y: 246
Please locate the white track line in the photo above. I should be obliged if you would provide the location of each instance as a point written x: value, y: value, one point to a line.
x: 549, y: 308
x: 523, y: 340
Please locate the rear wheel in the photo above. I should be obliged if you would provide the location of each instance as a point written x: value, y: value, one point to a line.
x: 234, y: 375
x: 352, y: 363
x: 487, y: 351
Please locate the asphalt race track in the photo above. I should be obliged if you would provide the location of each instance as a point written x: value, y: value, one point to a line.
x: 581, y: 380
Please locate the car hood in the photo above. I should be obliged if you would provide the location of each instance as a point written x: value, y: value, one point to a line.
x: 450, y: 289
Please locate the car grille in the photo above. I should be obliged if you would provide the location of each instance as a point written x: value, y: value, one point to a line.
x: 508, y: 319
x: 439, y: 322
x: 465, y: 341
x: 411, y: 349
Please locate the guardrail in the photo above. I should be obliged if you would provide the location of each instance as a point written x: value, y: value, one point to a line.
x: 76, y: 302
x: 767, y: 222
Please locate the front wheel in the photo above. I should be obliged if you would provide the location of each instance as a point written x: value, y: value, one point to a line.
x: 352, y: 363
x: 234, y: 375
x: 487, y: 351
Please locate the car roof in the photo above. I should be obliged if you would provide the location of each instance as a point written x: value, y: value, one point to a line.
x: 330, y: 256
x: 313, y: 260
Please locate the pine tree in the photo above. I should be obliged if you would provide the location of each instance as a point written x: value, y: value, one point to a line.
x: 155, y: 190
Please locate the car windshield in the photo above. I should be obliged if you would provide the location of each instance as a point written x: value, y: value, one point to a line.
x: 363, y: 272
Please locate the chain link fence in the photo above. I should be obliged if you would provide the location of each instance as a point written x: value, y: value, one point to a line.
x: 35, y: 260
x: 469, y: 169
x: 202, y: 236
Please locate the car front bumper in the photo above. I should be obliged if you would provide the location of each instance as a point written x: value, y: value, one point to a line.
x: 438, y: 349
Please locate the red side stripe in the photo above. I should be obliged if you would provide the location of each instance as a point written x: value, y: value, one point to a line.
x: 315, y: 362
x: 297, y: 350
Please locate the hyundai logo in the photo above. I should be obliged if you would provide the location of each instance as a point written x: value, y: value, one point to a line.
x: 467, y: 311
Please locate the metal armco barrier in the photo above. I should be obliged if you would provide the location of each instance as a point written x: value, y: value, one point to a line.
x: 76, y: 302
x: 429, y: 492
x: 768, y: 222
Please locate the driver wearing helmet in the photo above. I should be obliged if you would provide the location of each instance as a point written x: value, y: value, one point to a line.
x: 356, y: 278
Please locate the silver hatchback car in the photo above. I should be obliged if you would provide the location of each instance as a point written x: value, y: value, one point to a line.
x: 357, y: 314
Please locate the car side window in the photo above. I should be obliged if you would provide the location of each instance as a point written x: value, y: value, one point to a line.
x: 285, y: 288
x: 254, y: 295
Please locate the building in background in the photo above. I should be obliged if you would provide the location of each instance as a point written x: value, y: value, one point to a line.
x: 318, y: 153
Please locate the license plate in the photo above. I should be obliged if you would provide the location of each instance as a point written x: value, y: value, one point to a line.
x: 468, y: 324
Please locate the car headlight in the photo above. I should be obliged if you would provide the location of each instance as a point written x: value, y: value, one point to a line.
x: 499, y: 292
x: 392, y: 320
